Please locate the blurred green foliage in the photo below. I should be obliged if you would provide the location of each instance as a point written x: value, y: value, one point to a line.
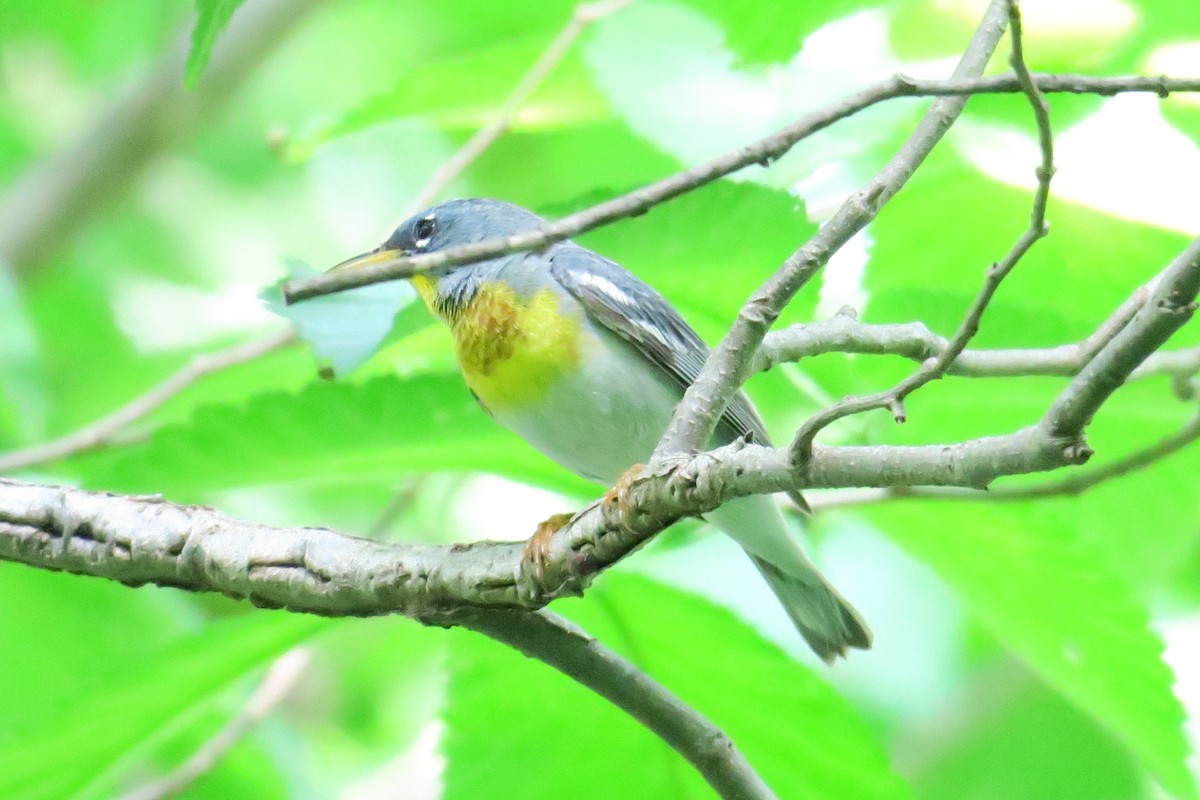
x: 1033, y: 629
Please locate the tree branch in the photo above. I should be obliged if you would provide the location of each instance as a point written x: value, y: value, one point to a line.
x: 1066, y: 487
x: 762, y: 152
x: 844, y: 333
x: 936, y: 367
x: 727, y: 367
x: 1171, y: 305
x: 139, y: 540
x: 565, y: 646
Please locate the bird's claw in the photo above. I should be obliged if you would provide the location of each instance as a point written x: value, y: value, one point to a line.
x: 537, y: 549
x: 617, y: 498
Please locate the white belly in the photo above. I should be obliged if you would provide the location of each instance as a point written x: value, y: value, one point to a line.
x: 601, y: 419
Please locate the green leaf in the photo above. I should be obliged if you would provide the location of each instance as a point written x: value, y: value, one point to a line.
x: 467, y: 26
x: 466, y: 93
x: 1067, y: 36
x: 1184, y: 114
x: 89, y: 375
x: 212, y: 17
x: 53, y: 622
x: 1052, y: 599
x: 135, y: 707
x: 1060, y: 752
x: 1159, y: 22
x: 345, y: 329
x: 381, y: 430
x: 762, y: 33
x: 506, y: 715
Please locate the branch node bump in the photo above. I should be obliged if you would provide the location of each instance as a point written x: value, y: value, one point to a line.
x: 1078, y: 452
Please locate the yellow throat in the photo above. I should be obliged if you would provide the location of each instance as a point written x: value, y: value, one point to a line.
x: 510, y: 349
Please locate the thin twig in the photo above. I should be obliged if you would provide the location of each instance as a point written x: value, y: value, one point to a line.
x: 281, y: 677
x: 1171, y: 305
x: 727, y: 367
x: 582, y: 17
x: 569, y: 649
x: 1073, y: 486
x: 844, y: 333
x: 103, y: 430
x: 1078, y: 484
x: 762, y: 152
x: 935, y: 368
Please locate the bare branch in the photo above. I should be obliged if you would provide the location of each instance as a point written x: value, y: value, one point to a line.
x: 913, y: 340
x: 137, y: 540
x: 1084, y: 481
x: 584, y: 15
x: 102, y: 431
x: 1171, y: 305
x: 566, y: 647
x: 935, y: 368
x: 844, y: 333
x: 762, y: 152
x: 727, y: 367
x: 1073, y: 486
x: 47, y: 205
x: 281, y: 677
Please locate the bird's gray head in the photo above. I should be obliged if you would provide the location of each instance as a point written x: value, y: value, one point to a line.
x: 459, y: 222
x: 451, y: 224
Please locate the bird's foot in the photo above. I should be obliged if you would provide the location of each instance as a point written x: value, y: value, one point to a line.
x: 537, y: 549
x: 617, y: 498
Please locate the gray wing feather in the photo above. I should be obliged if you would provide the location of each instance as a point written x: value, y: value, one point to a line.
x: 636, y: 312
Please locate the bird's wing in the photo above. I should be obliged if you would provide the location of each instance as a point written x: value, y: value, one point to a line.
x: 641, y: 316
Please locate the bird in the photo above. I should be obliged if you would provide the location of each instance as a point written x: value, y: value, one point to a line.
x: 586, y: 362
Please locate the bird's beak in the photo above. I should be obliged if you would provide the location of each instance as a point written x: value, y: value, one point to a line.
x: 379, y: 256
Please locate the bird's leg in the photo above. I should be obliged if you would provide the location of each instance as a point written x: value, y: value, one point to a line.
x: 618, y: 496
x: 537, y: 549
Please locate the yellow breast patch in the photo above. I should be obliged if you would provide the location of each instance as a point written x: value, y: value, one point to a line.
x: 511, y: 349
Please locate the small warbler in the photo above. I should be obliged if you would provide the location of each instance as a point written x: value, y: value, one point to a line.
x: 586, y: 362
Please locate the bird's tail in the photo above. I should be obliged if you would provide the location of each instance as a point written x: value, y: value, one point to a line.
x: 827, y: 622
x: 824, y: 618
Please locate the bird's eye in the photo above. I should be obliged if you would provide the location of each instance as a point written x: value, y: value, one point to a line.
x: 423, y: 231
